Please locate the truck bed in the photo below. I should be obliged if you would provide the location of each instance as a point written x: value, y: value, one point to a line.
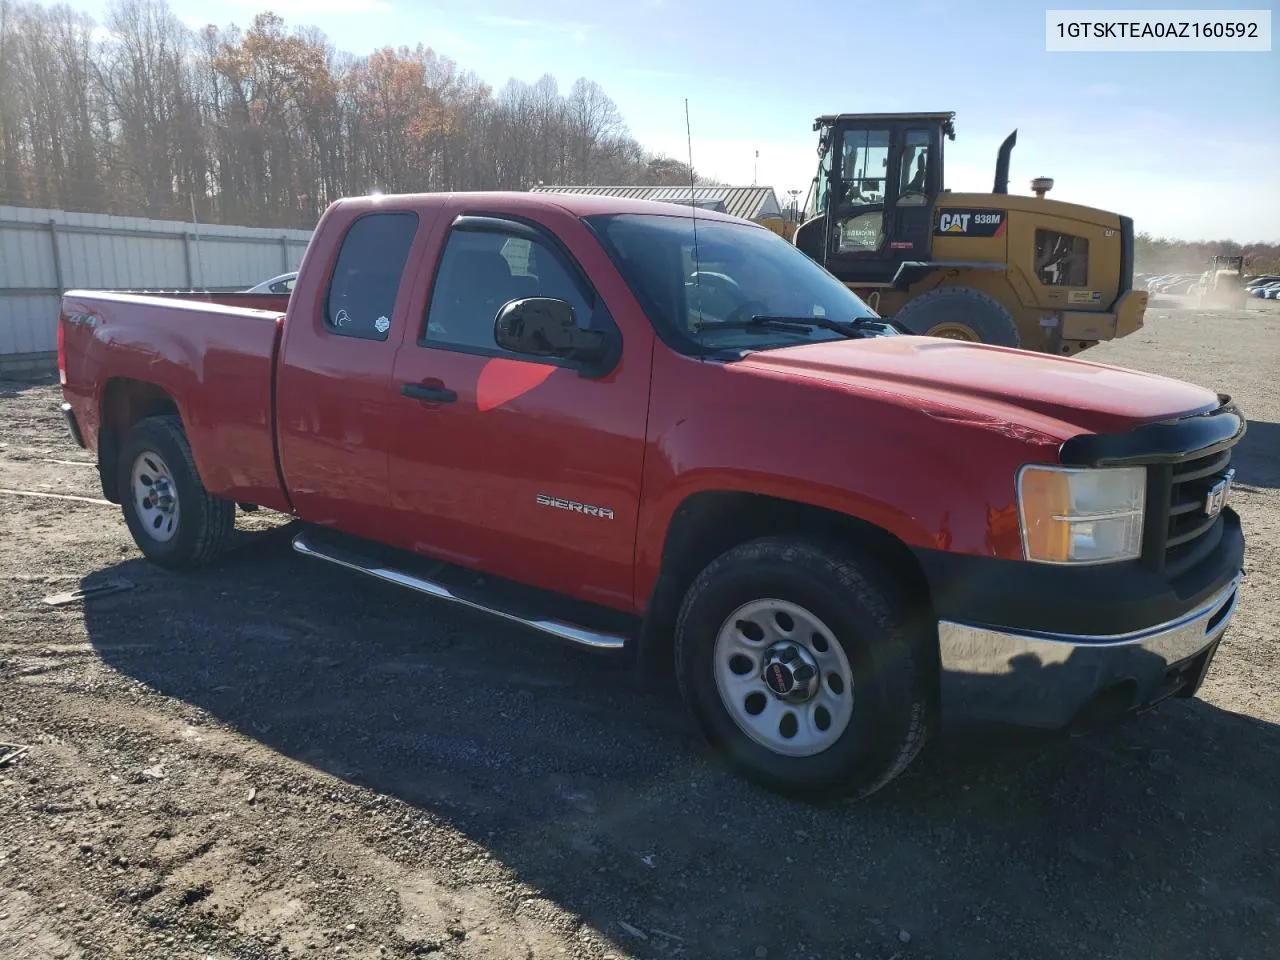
x: 215, y: 361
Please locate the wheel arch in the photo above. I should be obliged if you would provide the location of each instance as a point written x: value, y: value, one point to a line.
x: 125, y: 401
x: 709, y: 522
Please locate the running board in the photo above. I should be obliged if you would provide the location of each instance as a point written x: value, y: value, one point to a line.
x: 351, y: 560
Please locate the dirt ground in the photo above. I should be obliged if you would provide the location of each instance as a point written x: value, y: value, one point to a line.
x: 271, y: 759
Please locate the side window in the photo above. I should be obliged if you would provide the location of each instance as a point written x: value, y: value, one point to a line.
x: 366, y: 278
x: 1061, y: 259
x: 913, y: 178
x: 482, y: 271
x: 864, y: 164
x: 820, y: 184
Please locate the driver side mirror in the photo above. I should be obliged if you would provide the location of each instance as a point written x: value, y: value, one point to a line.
x: 545, y: 327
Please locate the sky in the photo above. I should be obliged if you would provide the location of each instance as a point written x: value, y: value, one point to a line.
x: 1188, y: 144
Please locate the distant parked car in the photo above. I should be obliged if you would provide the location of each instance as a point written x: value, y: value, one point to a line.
x: 280, y: 284
x: 1175, y: 284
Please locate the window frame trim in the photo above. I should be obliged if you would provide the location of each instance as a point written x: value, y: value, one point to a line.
x: 328, y: 327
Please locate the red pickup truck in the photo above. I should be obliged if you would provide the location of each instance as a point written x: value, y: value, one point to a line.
x: 667, y: 432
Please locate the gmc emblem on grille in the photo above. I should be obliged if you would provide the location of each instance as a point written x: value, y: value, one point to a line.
x: 1218, y: 493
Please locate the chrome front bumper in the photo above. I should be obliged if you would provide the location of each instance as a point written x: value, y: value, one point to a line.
x: 1060, y: 681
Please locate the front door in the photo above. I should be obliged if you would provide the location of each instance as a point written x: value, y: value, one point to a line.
x: 519, y: 466
x: 884, y: 181
x: 860, y: 226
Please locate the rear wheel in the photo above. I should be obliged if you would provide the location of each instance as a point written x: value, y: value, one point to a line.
x: 799, y: 665
x: 173, y: 519
x: 959, y: 313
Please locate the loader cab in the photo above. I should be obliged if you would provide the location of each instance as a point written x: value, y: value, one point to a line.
x: 871, y: 204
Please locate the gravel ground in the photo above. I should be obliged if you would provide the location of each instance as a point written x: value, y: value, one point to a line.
x: 271, y: 759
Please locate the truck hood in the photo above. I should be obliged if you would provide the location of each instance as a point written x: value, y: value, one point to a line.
x: 989, y: 381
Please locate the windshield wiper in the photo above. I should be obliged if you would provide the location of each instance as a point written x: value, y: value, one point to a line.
x: 846, y: 328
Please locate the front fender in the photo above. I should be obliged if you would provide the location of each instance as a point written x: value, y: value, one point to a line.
x: 933, y: 479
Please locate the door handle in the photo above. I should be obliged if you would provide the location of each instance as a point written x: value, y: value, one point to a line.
x: 422, y: 392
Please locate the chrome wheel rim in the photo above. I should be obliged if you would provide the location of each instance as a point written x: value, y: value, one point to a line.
x: 783, y: 677
x: 155, y: 495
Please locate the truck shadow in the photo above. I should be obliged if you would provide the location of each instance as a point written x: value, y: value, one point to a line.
x: 1257, y: 457
x: 1157, y: 838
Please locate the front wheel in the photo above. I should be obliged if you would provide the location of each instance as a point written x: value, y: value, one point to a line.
x: 173, y: 519
x: 801, y: 666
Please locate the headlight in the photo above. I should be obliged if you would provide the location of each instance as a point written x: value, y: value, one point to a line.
x: 1081, y: 515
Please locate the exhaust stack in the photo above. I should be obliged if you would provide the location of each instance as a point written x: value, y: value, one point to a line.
x: 1002, y: 163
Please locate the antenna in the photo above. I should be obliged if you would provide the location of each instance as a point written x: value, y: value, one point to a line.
x: 693, y: 206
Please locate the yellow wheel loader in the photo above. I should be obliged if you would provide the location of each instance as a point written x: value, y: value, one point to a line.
x: 1222, y: 285
x: 1018, y: 271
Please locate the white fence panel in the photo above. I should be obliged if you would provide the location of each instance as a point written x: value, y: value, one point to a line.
x: 45, y: 252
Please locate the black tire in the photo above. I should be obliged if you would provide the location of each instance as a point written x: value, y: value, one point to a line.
x: 980, y: 312
x: 870, y: 617
x: 204, y: 523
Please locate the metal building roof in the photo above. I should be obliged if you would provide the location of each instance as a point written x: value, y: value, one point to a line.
x: 749, y: 203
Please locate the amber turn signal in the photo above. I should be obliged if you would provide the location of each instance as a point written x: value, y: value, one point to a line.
x: 1080, y: 515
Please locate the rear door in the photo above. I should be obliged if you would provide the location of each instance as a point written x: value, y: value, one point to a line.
x: 519, y: 466
x: 335, y: 401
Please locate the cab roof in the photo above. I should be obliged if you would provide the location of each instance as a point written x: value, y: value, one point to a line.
x: 947, y: 119
x: 516, y: 202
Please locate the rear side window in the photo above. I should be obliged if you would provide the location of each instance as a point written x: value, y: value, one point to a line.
x: 366, y: 278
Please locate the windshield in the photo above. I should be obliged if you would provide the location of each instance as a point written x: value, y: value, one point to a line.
x: 740, y: 271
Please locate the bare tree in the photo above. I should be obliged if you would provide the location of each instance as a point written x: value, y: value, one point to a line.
x: 269, y: 124
x: 12, y: 106
x: 145, y: 86
x: 594, y: 123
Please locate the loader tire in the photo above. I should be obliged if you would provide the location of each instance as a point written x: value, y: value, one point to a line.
x: 959, y: 313
x: 173, y: 519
